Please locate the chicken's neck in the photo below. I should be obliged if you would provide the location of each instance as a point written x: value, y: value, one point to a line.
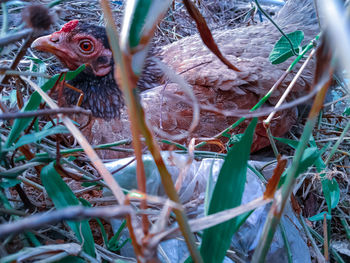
x: 101, y: 94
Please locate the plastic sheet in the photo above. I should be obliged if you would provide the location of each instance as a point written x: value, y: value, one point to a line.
x: 193, y: 192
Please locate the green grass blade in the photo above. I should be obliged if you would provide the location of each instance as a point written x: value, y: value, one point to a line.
x: 320, y: 217
x: 99, y: 222
x: 4, y: 26
x: 37, y: 136
x: 141, y: 11
x: 62, y: 196
x: 228, y: 194
x: 289, y: 142
x: 33, y: 103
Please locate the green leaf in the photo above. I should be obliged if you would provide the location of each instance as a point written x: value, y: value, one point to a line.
x: 34, y: 137
x: 312, y: 141
x: 289, y: 142
x: 40, y: 66
x: 143, y: 17
x: 330, y: 188
x: 115, y: 244
x: 209, y: 189
x: 71, y: 259
x: 346, y: 112
x: 15, y: 171
x: 8, y: 182
x: 320, y: 217
x: 62, y: 196
x: 228, y: 194
x: 99, y: 222
x: 52, y: 123
x: 33, y: 103
x: 345, y: 226
x: 12, y: 98
x: 138, y: 20
x: 309, y: 157
x: 331, y: 192
x: 282, y: 49
x: 233, y: 140
x: 226, y: 135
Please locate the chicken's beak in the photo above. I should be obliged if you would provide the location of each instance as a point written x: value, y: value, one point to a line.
x: 56, y: 45
x: 46, y: 44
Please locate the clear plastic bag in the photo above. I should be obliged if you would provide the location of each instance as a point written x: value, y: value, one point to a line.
x: 193, y: 191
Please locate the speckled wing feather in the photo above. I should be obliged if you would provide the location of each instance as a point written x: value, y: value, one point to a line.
x: 214, y: 84
x: 248, y: 48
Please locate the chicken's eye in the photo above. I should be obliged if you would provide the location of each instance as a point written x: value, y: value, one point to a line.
x: 86, y: 46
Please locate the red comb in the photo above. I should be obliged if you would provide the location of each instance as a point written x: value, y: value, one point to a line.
x: 69, y: 26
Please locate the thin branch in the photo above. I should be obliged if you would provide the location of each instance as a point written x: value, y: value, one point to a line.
x: 70, y: 213
x: 18, y: 58
x: 10, y: 38
x: 289, y: 88
x: 27, y: 114
x: 202, y: 223
x: 7, y: 71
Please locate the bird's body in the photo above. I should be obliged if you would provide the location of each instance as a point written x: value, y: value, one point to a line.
x: 213, y: 83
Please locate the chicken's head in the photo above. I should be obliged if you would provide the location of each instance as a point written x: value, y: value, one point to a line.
x: 79, y: 43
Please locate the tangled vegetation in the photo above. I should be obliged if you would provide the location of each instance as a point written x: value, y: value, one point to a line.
x: 53, y: 205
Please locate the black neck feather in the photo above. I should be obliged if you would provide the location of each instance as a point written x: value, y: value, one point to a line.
x: 101, y: 94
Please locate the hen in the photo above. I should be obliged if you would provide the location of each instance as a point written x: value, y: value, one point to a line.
x: 213, y: 83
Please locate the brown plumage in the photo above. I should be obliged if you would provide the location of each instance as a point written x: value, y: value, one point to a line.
x: 213, y: 83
